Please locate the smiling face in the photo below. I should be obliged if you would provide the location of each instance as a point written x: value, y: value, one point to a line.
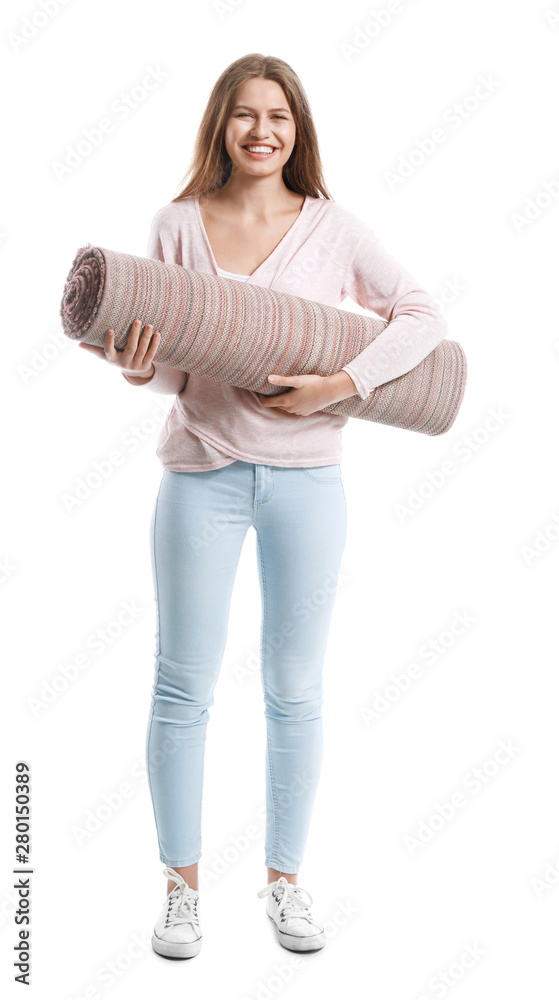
x: 260, y: 120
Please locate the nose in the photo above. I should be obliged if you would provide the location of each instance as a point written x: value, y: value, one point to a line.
x: 256, y: 132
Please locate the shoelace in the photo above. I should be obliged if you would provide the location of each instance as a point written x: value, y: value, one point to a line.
x: 291, y: 903
x: 182, y: 903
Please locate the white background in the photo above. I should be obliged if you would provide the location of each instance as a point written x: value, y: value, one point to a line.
x: 462, y: 223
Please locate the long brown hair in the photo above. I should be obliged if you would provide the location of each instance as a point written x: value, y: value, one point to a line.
x: 211, y: 164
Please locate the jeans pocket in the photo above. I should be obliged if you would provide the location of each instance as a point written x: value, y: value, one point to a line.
x: 323, y: 473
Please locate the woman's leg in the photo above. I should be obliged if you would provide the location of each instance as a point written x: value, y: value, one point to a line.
x: 300, y: 521
x: 198, y: 526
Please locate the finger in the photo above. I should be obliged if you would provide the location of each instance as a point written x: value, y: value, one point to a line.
x: 131, y: 343
x: 149, y: 342
x: 109, y: 349
x: 145, y: 338
x: 133, y: 350
x: 152, y: 350
x: 144, y: 344
x: 285, y: 379
x: 275, y: 400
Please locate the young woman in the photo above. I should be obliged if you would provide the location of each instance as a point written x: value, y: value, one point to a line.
x: 256, y: 209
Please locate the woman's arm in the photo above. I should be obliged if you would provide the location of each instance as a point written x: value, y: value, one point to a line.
x: 377, y: 281
x: 165, y: 379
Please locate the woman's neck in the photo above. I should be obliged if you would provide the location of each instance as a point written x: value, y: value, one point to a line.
x: 255, y: 200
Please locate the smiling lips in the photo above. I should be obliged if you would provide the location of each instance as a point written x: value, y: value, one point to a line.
x: 260, y: 150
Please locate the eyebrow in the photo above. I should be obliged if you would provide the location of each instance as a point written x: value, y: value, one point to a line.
x: 237, y: 106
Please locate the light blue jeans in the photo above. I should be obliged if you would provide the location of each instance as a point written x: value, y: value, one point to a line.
x: 198, y: 526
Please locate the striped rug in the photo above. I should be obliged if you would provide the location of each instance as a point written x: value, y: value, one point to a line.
x: 235, y: 332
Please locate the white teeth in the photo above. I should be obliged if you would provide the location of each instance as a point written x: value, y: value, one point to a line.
x: 260, y: 149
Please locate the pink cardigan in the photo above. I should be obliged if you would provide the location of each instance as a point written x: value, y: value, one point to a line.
x: 326, y: 255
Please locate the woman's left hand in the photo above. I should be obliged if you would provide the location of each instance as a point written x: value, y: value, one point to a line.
x: 309, y: 392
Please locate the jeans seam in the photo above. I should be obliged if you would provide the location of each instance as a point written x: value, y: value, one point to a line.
x: 157, y: 654
x: 321, y: 482
x: 180, y: 864
x: 260, y: 503
x: 263, y: 668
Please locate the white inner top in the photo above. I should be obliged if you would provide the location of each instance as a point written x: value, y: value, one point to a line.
x: 229, y: 274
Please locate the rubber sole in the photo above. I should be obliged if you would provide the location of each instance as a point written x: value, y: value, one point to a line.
x: 295, y: 942
x: 176, y: 949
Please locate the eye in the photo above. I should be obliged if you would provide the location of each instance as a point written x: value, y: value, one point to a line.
x: 243, y: 114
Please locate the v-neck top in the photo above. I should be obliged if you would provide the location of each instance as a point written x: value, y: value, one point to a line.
x: 230, y: 274
x: 326, y: 255
x: 254, y: 277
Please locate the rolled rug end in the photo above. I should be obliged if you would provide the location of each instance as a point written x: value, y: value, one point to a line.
x: 83, y: 291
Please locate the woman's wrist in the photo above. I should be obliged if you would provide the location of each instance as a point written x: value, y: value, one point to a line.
x: 343, y: 385
x: 143, y: 377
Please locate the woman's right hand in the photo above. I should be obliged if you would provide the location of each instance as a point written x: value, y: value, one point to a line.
x: 136, y: 357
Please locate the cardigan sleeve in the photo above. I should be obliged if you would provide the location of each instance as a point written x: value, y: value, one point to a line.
x: 161, y: 246
x: 377, y: 281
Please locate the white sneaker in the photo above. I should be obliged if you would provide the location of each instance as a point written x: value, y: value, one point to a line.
x: 295, y: 926
x: 177, y: 931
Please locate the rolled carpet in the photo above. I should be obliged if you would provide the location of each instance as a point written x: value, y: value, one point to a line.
x: 238, y: 333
